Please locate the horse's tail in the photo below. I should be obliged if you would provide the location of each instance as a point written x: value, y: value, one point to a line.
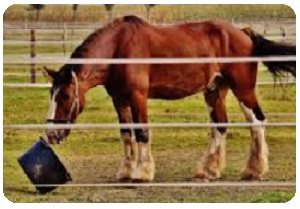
x: 264, y: 47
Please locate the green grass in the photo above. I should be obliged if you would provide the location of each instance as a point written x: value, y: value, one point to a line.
x: 94, y: 156
x: 160, y: 13
x: 165, y: 195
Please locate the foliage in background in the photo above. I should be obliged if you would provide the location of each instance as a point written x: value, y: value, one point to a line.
x: 161, y: 13
x: 148, y: 8
x: 109, y: 8
x: 75, y: 9
x: 37, y: 8
x: 94, y: 156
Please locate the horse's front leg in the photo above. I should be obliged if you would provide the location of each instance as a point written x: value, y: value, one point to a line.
x: 213, y: 162
x: 145, y: 167
x: 129, y: 162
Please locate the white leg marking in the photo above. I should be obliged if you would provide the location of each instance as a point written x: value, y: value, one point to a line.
x: 213, y: 161
x: 129, y: 163
x: 145, y: 168
x: 126, y: 165
x: 258, y: 161
x: 216, y: 141
x: 144, y: 152
x: 217, y: 137
x: 249, y: 114
x: 126, y: 138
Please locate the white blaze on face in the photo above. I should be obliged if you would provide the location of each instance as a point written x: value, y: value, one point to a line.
x: 53, y: 105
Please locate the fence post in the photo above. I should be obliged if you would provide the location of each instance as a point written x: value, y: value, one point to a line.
x: 32, y: 56
x: 283, y: 33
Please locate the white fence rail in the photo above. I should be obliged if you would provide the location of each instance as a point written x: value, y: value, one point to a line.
x: 22, y: 42
x: 56, y: 60
x: 113, y: 126
x: 21, y: 74
x: 39, y: 42
x: 179, y: 184
x: 48, y: 85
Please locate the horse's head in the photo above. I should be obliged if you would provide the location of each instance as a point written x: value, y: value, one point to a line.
x: 67, y: 102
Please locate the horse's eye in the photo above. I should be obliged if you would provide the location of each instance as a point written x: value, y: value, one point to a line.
x: 51, y: 92
x: 65, y: 96
x: 62, y: 97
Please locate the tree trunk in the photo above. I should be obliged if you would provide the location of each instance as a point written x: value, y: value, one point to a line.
x: 38, y: 15
x: 148, y: 13
x: 74, y: 16
x: 110, y: 16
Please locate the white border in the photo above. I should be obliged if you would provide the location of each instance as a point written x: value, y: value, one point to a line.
x: 4, y: 4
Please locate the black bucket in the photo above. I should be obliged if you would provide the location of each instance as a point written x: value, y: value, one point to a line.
x: 43, y: 167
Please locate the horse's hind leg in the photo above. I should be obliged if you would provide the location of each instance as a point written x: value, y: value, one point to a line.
x: 129, y: 162
x: 257, y: 164
x: 243, y: 86
x: 213, y: 161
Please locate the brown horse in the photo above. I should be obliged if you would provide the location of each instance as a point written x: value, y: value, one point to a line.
x: 130, y: 85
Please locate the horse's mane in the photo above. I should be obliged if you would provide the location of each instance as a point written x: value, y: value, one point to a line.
x: 78, y: 53
x: 65, y: 75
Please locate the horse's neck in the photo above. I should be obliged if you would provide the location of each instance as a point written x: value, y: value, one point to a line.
x: 102, y: 47
x: 93, y: 76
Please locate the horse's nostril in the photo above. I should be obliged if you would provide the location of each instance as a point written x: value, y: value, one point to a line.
x: 50, y: 140
x: 52, y: 136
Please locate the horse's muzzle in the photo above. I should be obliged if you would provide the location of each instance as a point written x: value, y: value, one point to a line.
x: 57, y: 136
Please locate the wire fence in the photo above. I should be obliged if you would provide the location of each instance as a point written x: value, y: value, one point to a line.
x: 225, y: 60
x: 48, y: 85
x: 57, y: 60
x: 40, y: 42
x: 43, y: 42
x: 108, y: 126
x: 21, y: 75
x: 179, y: 184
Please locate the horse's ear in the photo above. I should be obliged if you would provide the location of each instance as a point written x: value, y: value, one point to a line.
x: 50, y: 74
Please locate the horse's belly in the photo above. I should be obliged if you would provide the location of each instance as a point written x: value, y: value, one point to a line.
x: 172, y: 93
x: 176, y: 82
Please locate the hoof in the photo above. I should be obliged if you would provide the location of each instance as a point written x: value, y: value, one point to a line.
x: 209, y: 172
x: 126, y: 168
x: 201, y: 179
x: 140, y: 181
x: 207, y: 176
x: 252, y: 176
x: 255, y: 170
x: 125, y: 180
x: 144, y: 172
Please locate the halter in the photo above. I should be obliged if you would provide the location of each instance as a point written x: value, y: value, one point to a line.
x: 75, y: 104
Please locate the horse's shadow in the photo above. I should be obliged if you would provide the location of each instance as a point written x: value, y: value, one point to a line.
x: 29, y: 191
x: 25, y: 191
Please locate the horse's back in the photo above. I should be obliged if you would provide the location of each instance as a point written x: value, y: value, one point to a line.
x: 198, y: 39
x: 139, y: 39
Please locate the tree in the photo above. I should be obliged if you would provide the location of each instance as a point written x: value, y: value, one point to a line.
x: 74, y: 8
x: 109, y: 10
x: 148, y: 8
x: 37, y: 8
